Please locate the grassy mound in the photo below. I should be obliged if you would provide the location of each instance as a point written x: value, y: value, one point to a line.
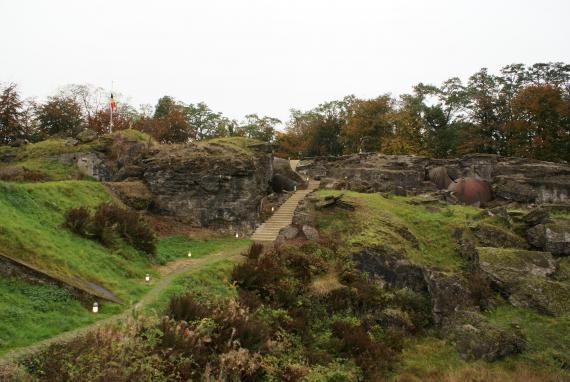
x: 424, y: 233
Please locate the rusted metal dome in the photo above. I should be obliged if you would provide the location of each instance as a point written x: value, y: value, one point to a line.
x: 471, y: 190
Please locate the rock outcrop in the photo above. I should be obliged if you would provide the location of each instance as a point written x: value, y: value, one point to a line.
x: 493, y: 236
x: 523, y: 277
x: 215, y: 186
x: 512, y: 179
x: 392, y: 267
x: 475, y: 337
x: 553, y: 237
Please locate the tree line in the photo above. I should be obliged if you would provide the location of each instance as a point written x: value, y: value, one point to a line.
x: 77, y: 107
x: 522, y: 111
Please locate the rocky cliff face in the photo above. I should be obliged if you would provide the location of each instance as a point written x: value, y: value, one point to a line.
x: 216, y: 186
x: 514, y: 179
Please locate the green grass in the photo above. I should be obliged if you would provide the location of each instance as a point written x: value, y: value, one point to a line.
x: 31, y: 231
x: 177, y: 247
x: 210, y: 282
x: 427, y: 355
x: 30, y: 313
x: 41, y: 158
x: 377, y: 220
x: 548, y: 338
x: 50, y: 148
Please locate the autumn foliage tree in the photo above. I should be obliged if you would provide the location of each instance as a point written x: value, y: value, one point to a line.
x: 60, y: 116
x: 523, y: 111
x: 11, y: 115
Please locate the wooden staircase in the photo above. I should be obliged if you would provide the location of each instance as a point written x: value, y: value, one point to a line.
x: 269, y: 230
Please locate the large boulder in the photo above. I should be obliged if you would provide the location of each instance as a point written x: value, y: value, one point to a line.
x: 506, y: 266
x: 552, y: 237
x: 87, y: 135
x: 493, y: 236
x: 523, y: 276
x: 541, y: 294
x: 535, y: 216
x: 288, y: 233
x: 475, y: 337
x: 392, y: 267
x: 449, y: 293
x: 281, y: 183
x: 310, y: 232
x: 283, y: 167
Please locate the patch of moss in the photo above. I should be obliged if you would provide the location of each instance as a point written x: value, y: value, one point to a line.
x: 548, y: 338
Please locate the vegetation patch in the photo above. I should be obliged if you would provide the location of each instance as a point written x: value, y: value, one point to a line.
x: 425, y: 237
x: 110, y: 221
x: 31, y: 313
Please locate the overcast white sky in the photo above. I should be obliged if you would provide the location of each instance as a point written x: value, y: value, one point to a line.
x: 266, y: 57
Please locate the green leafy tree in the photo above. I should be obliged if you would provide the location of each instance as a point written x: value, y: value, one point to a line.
x: 60, y: 116
x: 11, y: 115
x: 172, y: 122
x: 261, y: 128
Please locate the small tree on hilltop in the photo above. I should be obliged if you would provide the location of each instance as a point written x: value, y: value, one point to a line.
x: 11, y: 115
x: 60, y: 116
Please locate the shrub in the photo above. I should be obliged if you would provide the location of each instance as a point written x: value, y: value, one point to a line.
x: 373, y: 357
x: 77, y: 220
x: 254, y: 252
x: 186, y: 308
x: 111, y: 222
x: 21, y: 174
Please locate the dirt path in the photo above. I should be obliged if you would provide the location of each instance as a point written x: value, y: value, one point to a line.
x: 169, y: 273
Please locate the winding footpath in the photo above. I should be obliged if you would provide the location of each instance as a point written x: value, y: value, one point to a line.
x: 173, y: 270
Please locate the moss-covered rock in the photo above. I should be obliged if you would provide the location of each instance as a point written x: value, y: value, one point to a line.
x: 553, y: 237
x: 493, y: 236
x: 86, y: 136
x: 505, y: 266
x: 523, y: 276
x: 541, y: 294
x: 449, y: 293
x: 475, y: 337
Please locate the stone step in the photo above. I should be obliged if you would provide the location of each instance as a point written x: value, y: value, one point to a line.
x: 269, y: 230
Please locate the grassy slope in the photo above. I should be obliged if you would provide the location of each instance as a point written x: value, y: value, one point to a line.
x: 31, y: 230
x: 376, y: 225
x: 427, y: 357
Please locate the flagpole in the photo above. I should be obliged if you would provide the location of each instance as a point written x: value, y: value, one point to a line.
x: 111, y: 110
